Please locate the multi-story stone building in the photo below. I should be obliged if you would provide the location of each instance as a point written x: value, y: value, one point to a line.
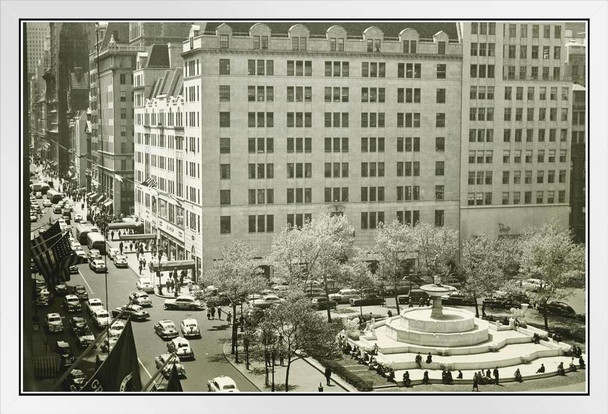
x: 79, y: 144
x: 37, y: 34
x: 579, y: 177
x: 299, y: 120
x: 516, y: 123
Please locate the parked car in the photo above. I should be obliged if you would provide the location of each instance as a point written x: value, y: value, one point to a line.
x: 458, y: 299
x: 504, y: 300
x: 181, y: 347
x: 222, y: 384
x: 136, y: 312
x: 108, y: 344
x: 370, y: 299
x: 65, y: 353
x: 73, y: 269
x: 57, y: 209
x: 141, y: 299
x: 93, y: 304
x: 85, y: 337
x: 189, y: 328
x: 532, y: 284
x: 183, y: 303
x: 415, y: 296
x: 33, y: 217
x: 71, y: 303
x: 54, y: 323
x: 344, y: 295
x: 321, y: 303
x: 116, y: 328
x: 165, y: 328
x: 61, y: 289
x: 145, y: 285
x: 81, y: 292
x: 266, y: 301
x: 120, y: 260
x: 557, y: 308
x: 98, y: 266
x: 94, y: 254
x: 101, y: 317
x: 46, y: 203
x: 161, y: 363
x: 77, y: 217
x: 80, y: 253
x: 74, y: 381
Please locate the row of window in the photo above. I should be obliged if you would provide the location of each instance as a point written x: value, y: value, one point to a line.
x: 487, y: 135
x: 478, y: 157
x: 369, y: 220
x: 265, y: 67
x: 485, y: 177
x: 530, y: 93
x: 511, y: 71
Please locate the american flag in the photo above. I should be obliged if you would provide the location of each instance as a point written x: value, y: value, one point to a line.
x: 53, y: 255
x: 149, y: 182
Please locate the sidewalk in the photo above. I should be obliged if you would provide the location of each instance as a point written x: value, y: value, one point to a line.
x: 305, y: 375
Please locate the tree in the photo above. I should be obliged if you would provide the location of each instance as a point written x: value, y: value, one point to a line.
x: 358, y: 275
x: 482, y: 262
x: 236, y: 275
x: 315, y: 251
x: 394, y: 242
x: 303, y: 333
x: 549, y: 254
x: 437, y: 249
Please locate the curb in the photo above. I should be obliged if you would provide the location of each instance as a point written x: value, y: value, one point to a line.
x: 224, y: 353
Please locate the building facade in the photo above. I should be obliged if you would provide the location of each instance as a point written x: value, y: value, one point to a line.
x: 37, y: 35
x: 516, y: 122
x: 578, y: 180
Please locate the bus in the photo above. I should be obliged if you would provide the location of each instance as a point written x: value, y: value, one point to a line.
x: 96, y: 241
x: 54, y: 195
x: 42, y: 187
x: 82, y: 231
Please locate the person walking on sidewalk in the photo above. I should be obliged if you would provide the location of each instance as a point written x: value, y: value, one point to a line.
x: 219, y: 313
x: 120, y: 246
x: 140, y: 267
x: 328, y: 375
x: 229, y: 317
x: 213, y: 312
x: 495, y: 375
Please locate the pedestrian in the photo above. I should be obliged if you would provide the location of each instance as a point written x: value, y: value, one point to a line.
x: 131, y: 247
x: 429, y: 358
x: 419, y: 360
x: 229, y: 317
x: 328, y: 374
x: 212, y: 312
x: 219, y: 313
x: 495, y: 372
x: 209, y: 313
x: 112, y: 234
x: 475, y: 382
x: 425, y: 378
x: 140, y: 267
x: 389, y: 314
x: 121, y: 246
x: 160, y: 289
x: 459, y: 376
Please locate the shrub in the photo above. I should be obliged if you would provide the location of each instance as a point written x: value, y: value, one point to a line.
x: 353, y: 379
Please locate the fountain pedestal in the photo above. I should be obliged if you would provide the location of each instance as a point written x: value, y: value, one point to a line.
x: 437, y: 310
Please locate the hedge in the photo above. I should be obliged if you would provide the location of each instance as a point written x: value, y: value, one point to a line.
x: 350, y: 377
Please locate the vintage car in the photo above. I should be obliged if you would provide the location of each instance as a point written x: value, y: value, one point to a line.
x: 71, y: 303
x: 74, y: 381
x: 54, y: 323
x: 344, y: 295
x: 165, y: 328
x: 161, y: 363
x: 93, y: 304
x: 141, y: 299
x: 266, y: 301
x: 222, y: 384
x: 81, y: 292
x: 136, y: 312
x: 368, y: 299
x: 77, y: 323
x: 65, y: 353
x: 144, y: 284
x: 120, y: 260
x: 181, y: 347
x: 101, y: 317
x: 98, y: 266
x: 183, y: 303
x: 321, y: 303
x: 189, y: 328
x: 85, y: 337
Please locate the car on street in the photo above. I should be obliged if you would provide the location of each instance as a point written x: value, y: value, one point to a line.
x: 504, y: 300
x: 73, y: 269
x: 101, y: 317
x: 113, y: 252
x: 57, y: 209
x: 77, y: 217
x: 85, y: 337
x: 369, y: 299
x: 71, y: 303
x: 141, y: 299
x: 416, y: 295
x: 557, y: 308
x: 458, y: 299
x: 314, y: 292
x: 93, y: 304
x: 183, y: 303
x: 144, y: 284
x: 136, y: 312
x: 322, y: 303
x: 108, y: 343
x: 181, y: 347
x: 266, y: 301
x: 189, y: 328
x: 78, y: 323
x: 54, y: 323
x: 161, y: 363
x: 532, y: 284
x: 120, y: 260
x: 165, y: 328
x: 65, y: 353
x: 80, y: 253
x: 344, y: 295
x: 116, y: 328
x: 74, y: 381
x: 38, y: 194
x: 33, y: 217
x: 97, y: 266
x: 46, y: 203
x: 94, y: 254
x: 81, y: 292
x: 222, y: 384
x: 61, y: 289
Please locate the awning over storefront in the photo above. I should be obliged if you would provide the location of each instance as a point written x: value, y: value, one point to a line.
x: 127, y: 225
x: 172, y: 265
x: 131, y: 237
x: 99, y: 198
x: 91, y: 196
x: 107, y: 203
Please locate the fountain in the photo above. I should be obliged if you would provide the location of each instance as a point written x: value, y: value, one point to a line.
x: 435, y: 292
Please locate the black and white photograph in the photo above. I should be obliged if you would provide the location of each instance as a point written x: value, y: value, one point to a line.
x: 351, y: 208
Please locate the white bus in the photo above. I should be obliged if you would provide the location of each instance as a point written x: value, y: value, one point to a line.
x: 54, y: 196
x: 96, y: 241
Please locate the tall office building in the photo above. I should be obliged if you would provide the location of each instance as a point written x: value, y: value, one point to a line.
x: 37, y: 33
x: 516, y: 122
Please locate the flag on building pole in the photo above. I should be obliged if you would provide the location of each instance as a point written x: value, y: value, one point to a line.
x: 120, y: 370
x: 53, y: 255
x: 149, y: 182
x: 174, y: 383
x: 118, y: 177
